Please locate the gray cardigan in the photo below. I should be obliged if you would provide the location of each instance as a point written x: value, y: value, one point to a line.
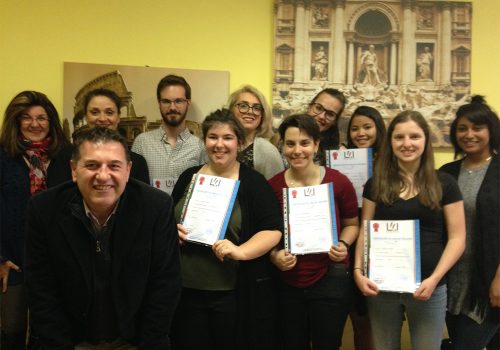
x: 266, y: 158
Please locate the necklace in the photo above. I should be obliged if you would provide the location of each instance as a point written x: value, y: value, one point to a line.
x: 310, y: 180
x: 477, y: 167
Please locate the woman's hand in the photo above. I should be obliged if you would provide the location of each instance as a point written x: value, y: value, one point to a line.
x: 5, y: 268
x: 495, y: 290
x: 226, y: 248
x: 283, y: 259
x: 337, y: 253
x: 427, y: 287
x: 182, y: 232
x: 368, y: 288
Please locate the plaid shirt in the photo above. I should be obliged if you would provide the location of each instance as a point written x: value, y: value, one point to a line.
x: 165, y: 162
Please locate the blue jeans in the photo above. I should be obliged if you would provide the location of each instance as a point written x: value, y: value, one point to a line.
x: 426, y: 319
x: 466, y: 334
x: 316, y: 314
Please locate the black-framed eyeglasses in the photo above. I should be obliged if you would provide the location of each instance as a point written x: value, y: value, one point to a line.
x: 317, y: 109
x: 178, y: 102
x: 244, y: 107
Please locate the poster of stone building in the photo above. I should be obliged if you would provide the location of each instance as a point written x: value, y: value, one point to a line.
x: 136, y: 87
x: 391, y: 55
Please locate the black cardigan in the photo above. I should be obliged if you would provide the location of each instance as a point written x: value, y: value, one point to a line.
x: 14, y: 196
x: 255, y: 288
x: 487, y: 253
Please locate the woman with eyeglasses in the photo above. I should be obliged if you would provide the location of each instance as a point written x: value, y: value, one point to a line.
x: 474, y: 282
x: 326, y: 108
x: 250, y: 107
x: 34, y: 155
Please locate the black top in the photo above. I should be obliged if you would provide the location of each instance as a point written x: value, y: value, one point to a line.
x: 14, y: 196
x: 139, y: 169
x: 487, y: 253
x: 255, y: 287
x: 433, y: 234
x: 246, y: 156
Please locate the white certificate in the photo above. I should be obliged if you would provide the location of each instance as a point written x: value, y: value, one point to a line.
x: 208, y: 207
x: 354, y: 163
x: 309, y: 214
x: 392, y: 254
x: 166, y: 185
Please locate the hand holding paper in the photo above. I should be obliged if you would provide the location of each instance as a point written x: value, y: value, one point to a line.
x: 283, y: 259
x: 424, y: 292
x: 337, y: 253
x: 226, y: 248
x: 367, y: 287
x: 182, y: 232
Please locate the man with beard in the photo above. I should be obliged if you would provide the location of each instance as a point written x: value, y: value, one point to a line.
x: 170, y: 149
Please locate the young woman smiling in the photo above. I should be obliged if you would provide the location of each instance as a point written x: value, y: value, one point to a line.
x: 228, y: 289
x: 251, y: 109
x: 405, y: 186
x: 366, y: 129
x: 316, y: 289
x: 474, y: 282
x: 326, y: 108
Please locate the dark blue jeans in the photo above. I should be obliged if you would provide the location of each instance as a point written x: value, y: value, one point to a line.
x: 466, y: 334
x: 317, y: 314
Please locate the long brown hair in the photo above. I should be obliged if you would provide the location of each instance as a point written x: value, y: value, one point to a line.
x: 388, y: 180
x: 9, y: 135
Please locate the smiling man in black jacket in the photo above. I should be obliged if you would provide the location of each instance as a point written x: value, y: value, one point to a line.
x: 102, y: 261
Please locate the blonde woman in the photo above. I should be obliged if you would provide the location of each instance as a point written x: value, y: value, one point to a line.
x: 251, y: 109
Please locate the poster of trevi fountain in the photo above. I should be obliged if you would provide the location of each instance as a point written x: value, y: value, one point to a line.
x: 390, y: 55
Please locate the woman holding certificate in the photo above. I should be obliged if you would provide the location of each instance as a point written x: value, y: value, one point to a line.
x: 316, y: 290
x: 405, y: 186
x: 366, y: 129
x: 227, y: 300
x: 474, y: 282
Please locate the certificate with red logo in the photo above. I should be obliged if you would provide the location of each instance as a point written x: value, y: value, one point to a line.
x: 165, y: 185
x: 392, y: 254
x: 208, y: 207
x: 310, y: 223
x: 354, y: 163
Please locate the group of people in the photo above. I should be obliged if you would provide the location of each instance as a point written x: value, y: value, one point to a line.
x: 93, y: 245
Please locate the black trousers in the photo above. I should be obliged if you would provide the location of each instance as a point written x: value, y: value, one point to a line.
x: 205, y: 320
x: 316, y: 315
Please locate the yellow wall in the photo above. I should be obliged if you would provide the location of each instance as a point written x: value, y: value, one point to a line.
x: 36, y: 37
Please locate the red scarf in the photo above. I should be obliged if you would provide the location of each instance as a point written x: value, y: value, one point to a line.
x: 36, y: 155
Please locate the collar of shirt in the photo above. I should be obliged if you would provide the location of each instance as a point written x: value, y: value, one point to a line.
x: 183, y: 135
x: 94, y: 219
